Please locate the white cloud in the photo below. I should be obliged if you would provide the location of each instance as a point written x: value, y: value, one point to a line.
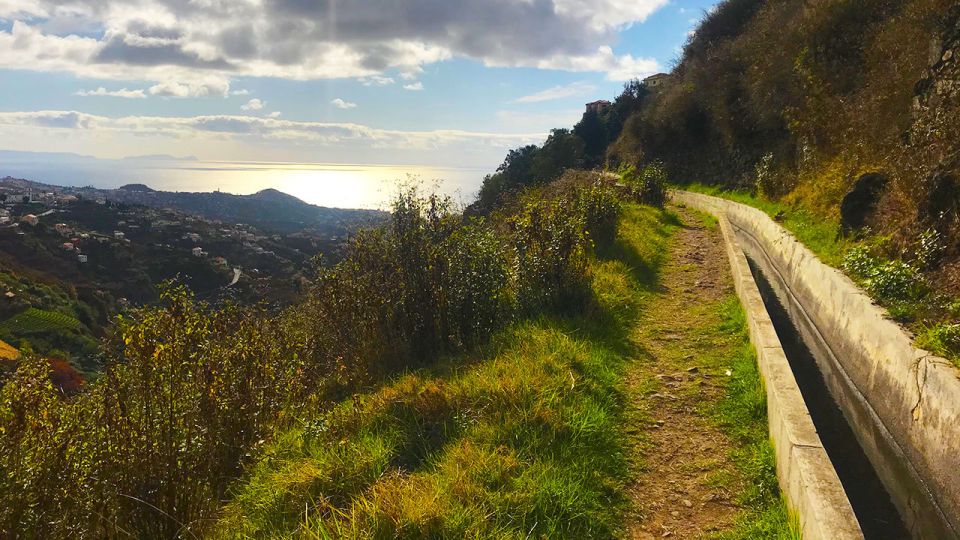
x: 376, y: 80
x: 180, y: 42
x: 240, y: 92
x: 122, y: 93
x: 341, y: 104
x: 411, y: 73
x: 618, y: 68
x: 558, y: 92
x: 191, y: 89
x: 414, y: 86
x: 253, y: 105
x: 275, y: 114
x: 261, y: 128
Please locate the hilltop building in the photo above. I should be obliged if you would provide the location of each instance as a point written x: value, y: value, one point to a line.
x: 30, y: 219
x: 655, y: 82
x: 598, y: 106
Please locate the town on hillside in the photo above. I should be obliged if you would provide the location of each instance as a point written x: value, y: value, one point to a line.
x: 69, y: 263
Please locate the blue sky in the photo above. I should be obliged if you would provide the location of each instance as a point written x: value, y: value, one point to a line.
x: 434, y: 82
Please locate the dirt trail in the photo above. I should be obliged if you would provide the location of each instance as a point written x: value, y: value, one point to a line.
x: 686, y: 483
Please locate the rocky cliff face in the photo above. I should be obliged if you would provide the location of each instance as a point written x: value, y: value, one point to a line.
x: 933, y: 142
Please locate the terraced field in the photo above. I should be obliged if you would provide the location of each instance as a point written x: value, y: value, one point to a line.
x: 35, y: 320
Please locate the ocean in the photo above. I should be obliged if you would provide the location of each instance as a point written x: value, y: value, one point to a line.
x: 324, y: 184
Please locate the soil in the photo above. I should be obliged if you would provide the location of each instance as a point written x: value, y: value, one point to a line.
x: 686, y: 483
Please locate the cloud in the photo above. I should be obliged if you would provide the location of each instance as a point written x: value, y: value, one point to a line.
x: 411, y: 73
x: 618, y: 68
x: 240, y: 92
x: 253, y: 105
x: 191, y: 89
x: 51, y: 119
x: 341, y: 104
x: 376, y: 80
x: 558, y: 92
x: 262, y: 128
x: 188, y: 42
x: 122, y: 93
x: 414, y: 86
x: 275, y: 114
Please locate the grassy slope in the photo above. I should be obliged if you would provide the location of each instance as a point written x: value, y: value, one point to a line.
x: 816, y: 232
x: 524, y: 441
x: 936, y: 330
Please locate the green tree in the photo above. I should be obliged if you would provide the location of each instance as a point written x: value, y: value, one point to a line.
x: 513, y: 173
x: 562, y: 150
x: 592, y: 129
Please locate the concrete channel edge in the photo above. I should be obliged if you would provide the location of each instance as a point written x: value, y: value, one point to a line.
x: 902, y: 402
x: 806, y: 475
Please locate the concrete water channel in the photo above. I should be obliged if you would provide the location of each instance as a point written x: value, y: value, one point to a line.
x: 871, y: 502
x: 866, y: 426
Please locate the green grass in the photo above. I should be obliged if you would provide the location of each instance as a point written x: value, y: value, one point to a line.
x: 928, y: 315
x: 817, y: 233
x: 743, y: 415
x: 523, y: 441
x: 35, y: 320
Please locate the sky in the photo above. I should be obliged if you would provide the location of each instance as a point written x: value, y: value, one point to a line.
x: 431, y: 82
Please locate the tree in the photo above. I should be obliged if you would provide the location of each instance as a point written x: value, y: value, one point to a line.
x: 562, y: 150
x: 593, y: 131
x: 513, y: 173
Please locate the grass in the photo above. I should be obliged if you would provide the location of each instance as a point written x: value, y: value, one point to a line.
x: 934, y: 320
x: 529, y: 438
x: 35, y: 320
x: 523, y: 441
x: 816, y: 232
x: 743, y: 415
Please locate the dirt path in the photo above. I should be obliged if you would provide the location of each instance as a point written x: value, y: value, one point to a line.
x: 686, y: 483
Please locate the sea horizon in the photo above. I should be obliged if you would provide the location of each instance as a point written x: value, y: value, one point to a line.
x: 335, y: 185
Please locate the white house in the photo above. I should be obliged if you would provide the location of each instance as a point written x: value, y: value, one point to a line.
x: 82, y: 258
x: 118, y: 235
x: 197, y: 252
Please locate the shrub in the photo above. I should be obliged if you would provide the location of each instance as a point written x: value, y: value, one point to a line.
x: 190, y: 392
x: 892, y: 282
x: 647, y: 185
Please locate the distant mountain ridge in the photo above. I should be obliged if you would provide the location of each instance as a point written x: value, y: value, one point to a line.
x: 269, y: 209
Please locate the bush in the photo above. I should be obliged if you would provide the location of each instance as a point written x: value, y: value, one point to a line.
x: 190, y: 393
x: 647, y: 185
x: 892, y: 282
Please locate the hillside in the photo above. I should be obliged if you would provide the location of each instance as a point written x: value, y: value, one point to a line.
x: 269, y: 210
x: 448, y: 377
x: 809, y: 102
x: 568, y: 357
x: 840, y: 118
